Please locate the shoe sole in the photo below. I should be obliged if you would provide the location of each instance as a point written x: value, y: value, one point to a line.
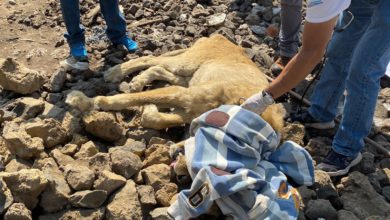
x: 342, y: 172
x: 321, y: 125
x: 71, y: 66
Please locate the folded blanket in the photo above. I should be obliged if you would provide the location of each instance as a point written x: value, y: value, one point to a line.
x: 235, y: 160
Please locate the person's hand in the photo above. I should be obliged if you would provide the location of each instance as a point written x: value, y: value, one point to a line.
x: 258, y: 102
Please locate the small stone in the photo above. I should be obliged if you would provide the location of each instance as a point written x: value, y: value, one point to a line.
x: 124, y: 204
x: 125, y: 163
x: 146, y: 195
x: 61, y: 159
x: 136, y: 147
x: 69, y: 149
x: 157, y: 154
x: 156, y: 175
x: 88, y: 198
x: 88, y: 149
x: 386, y: 192
x: 346, y: 215
x: 259, y: 30
x: 109, y: 181
x: 367, y: 164
x: 54, y: 97
x: 84, y: 214
x: 217, y: 19
x: 17, y: 164
x: 79, y: 177
x: 103, y: 125
x: 165, y: 194
x: 320, y: 209
x: 294, y: 132
x: 6, y: 198
x: 99, y: 162
x: 49, y: 130
x: 18, y: 211
x: 57, y: 80
x: 160, y: 214
x: 319, y: 146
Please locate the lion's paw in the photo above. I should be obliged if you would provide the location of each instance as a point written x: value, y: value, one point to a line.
x: 78, y: 100
x: 114, y: 74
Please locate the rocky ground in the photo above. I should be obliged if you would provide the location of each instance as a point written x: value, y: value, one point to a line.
x: 57, y: 163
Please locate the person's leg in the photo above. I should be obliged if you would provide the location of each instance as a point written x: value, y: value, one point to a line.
x: 291, y: 18
x: 330, y: 88
x: 116, y: 24
x: 71, y: 14
x: 368, y: 65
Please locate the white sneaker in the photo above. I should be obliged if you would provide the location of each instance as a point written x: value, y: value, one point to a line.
x: 75, y: 63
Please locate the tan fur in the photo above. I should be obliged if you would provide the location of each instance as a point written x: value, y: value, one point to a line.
x: 212, y: 72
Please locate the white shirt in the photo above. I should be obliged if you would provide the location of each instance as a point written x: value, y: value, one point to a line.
x: 319, y: 11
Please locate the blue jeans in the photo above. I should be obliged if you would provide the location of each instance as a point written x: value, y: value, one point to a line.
x: 116, y: 24
x: 291, y: 18
x: 356, y: 60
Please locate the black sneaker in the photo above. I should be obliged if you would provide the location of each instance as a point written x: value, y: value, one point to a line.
x: 75, y: 63
x: 306, y: 119
x: 337, y: 164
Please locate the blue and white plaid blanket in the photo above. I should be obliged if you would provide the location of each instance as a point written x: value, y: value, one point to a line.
x: 234, y: 160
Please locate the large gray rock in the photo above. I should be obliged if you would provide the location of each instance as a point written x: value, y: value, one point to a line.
x: 320, y: 209
x: 79, y: 177
x: 103, y: 125
x: 49, y: 130
x: 6, y: 198
x: 125, y: 163
x: 75, y: 214
x: 18, y: 211
x: 360, y: 197
x: 17, y: 78
x: 55, y: 196
x: 20, y: 143
x: 124, y: 205
x: 88, y: 198
x: 26, y: 185
x: 109, y: 181
x: 156, y: 175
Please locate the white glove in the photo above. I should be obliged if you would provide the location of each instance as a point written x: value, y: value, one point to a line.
x: 258, y: 102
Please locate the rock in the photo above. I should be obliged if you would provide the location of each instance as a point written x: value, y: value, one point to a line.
x: 146, y: 195
x: 88, y: 198
x: 259, y: 30
x: 136, y: 147
x: 49, y: 130
x: 61, y: 159
x: 199, y: 11
x: 216, y: 20
x: 294, y: 132
x: 84, y: 214
x: 109, y: 181
x: 103, y: 125
x: 386, y: 192
x: 157, y: 154
x: 142, y: 134
x: 160, y: 214
x: 306, y: 194
x: 6, y: 198
x: 53, y: 111
x: 156, y: 175
x: 320, y: 209
x: 26, y: 185
x: 88, y: 149
x: 54, y: 98
x: 20, y: 143
x: 69, y: 149
x: 165, y: 194
x: 57, y: 80
x: 125, y: 163
x: 367, y: 164
x: 18, y: 211
x: 319, y: 146
x: 124, y: 204
x: 359, y: 197
x: 17, y: 78
x: 157, y: 140
x: 99, y: 162
x: 79, y: 177
x: 24, y: 108
x: 55, y: 197
x: 346, y: 215
x: 17, y: 164
x: 384, y: 177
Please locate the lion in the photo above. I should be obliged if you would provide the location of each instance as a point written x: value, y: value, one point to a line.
x: 212, y: 72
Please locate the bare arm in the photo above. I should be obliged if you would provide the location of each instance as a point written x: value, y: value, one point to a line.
x: 315, y: 39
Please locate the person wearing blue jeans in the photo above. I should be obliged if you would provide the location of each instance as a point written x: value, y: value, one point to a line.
x: 116, y: 31
x: 356, y: 60
x: 291, y: 18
